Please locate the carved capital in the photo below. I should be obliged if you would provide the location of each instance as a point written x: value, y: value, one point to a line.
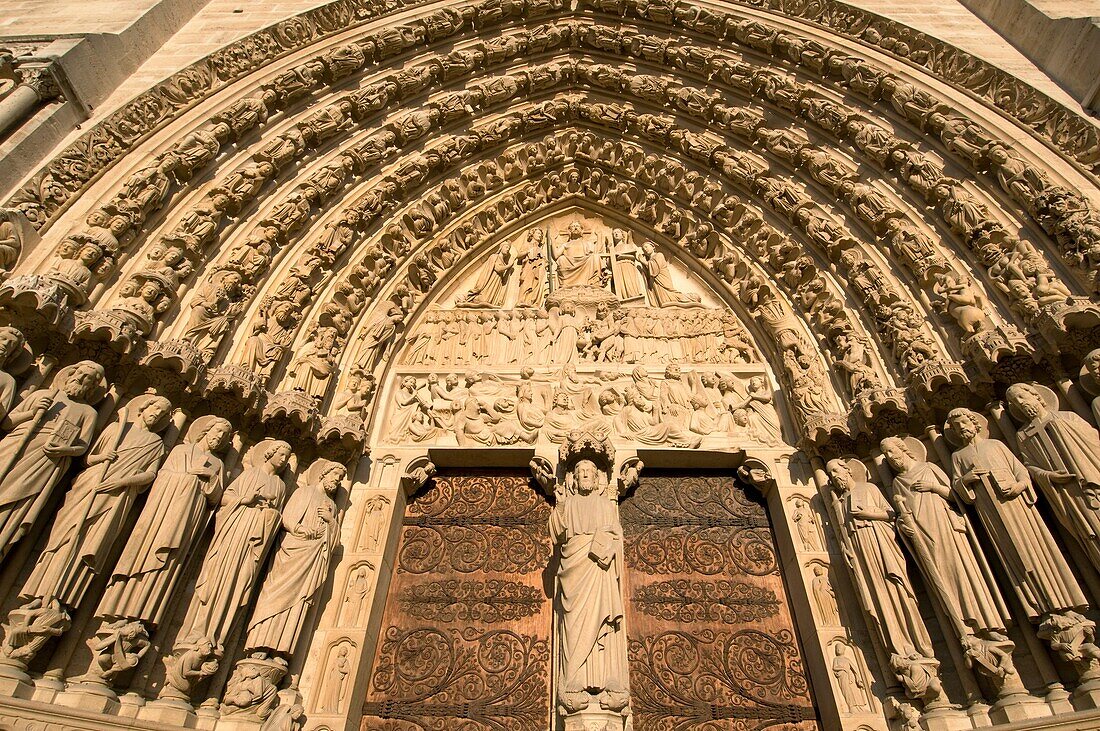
x: 41, y: 80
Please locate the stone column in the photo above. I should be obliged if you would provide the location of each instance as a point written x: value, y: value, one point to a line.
x: 38, y: 85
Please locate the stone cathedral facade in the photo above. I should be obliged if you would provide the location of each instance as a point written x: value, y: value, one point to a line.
x: 529, y: 365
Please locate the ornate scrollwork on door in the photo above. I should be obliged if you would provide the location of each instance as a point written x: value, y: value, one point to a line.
x: 712, y: 646
x: 475, y: 523
x: 697, y: 525
x: 466, y: 639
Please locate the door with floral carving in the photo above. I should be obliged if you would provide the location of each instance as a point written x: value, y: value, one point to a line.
x: 712, y: 645
x: 465, y: 639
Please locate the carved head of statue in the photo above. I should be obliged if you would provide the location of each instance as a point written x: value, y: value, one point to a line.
x: 900, y: 453
x: 586, y: 477
x: 963, y: 426
x: 839, y: 476
x: 1030, y: 402
x: 89, y: 254
x: 1090, y: 372
x: 83, y: 380
x: 741, y: 417
x: 212, y: 432
x: 11, y: 342
x: 327, y: 475
x: 575, y: 230
x: 271, y: 455
x: 151, y: 411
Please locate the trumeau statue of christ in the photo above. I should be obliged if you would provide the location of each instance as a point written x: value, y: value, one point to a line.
x: 577, y: 258
x: 589, y: 605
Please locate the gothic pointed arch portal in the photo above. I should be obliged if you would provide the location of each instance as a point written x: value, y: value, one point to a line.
x: 754, y: 281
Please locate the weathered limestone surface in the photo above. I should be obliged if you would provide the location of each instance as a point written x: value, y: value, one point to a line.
x: 790, y: 311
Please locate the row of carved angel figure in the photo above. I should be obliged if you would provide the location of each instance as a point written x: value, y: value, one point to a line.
x: 983, y: 493
x: 559, y: 335
x: 962, y: 212
x: 55, y: 428
x: 677, y: 410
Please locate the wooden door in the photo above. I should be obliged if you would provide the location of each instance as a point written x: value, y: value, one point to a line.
x: 712, y: 645
x: 465, y: 642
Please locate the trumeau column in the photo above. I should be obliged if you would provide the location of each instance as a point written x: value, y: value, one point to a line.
x: 337, y: 671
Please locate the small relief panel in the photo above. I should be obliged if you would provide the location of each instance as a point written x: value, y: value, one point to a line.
x: 465, y: 640
x: 711, y: 639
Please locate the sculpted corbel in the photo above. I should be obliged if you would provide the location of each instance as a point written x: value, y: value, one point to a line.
x: 116, y: 648
x: 191, y: 661
x: 417, y: 474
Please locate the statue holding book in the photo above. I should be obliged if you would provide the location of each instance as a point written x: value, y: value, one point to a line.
x: 588, y: 606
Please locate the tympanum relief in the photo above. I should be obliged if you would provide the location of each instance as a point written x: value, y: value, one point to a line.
x: 574, y: 323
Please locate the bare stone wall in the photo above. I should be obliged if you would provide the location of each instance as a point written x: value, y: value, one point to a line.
x: 1061, y: 36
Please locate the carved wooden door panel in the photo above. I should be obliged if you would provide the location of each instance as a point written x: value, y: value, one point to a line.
x: 711, y: 639
x: 465, y: 641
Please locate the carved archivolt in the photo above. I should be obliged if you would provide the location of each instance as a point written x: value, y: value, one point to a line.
x: 503, y: 226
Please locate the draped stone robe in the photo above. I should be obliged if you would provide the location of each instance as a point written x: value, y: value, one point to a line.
x: 591, y: 637
x: 578, y: 263
x: 176, y: 512
x: 26, y: 487
x: 1063, y: 440
x: 945, y: 549
x: 298, y: 571
x: 1038, y: 573
x: 244, y: 528
x: 7, y: 393
x: 91, y: 518
x: 879, y: 571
